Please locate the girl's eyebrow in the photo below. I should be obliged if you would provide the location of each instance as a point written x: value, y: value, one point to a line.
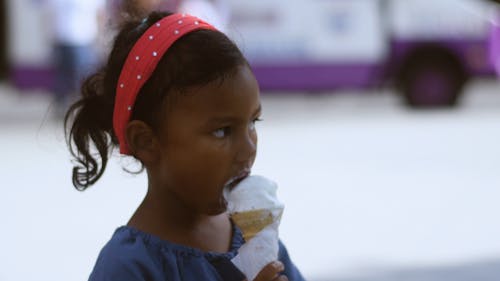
x: 229, y: 119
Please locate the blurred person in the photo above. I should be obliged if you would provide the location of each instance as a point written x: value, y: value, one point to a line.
x: 494, y: 41
x: 121, y: 11
x: 3, y: 40
x: 75, y: 33
x: 216, y: 12
x: 178, y: 96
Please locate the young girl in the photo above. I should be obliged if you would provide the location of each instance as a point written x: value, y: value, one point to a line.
x: 179, y: 96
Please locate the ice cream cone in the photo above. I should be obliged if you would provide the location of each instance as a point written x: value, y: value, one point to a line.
x: 253, y: 221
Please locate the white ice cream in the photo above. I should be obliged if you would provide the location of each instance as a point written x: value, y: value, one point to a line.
x: 254, y: 193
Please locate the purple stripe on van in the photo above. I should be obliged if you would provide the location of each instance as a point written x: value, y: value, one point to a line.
x: 317, y: 77
x: 27, y: 77
x: 271, y: 77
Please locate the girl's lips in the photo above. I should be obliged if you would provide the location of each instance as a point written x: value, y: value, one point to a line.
x: 231, y: 183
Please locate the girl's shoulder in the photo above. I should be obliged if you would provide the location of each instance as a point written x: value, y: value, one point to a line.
x: 132, y: 254
x: 123, y: 256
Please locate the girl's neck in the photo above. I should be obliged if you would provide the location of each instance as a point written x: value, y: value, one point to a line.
x: 166, y: 210
x: 171, y: 221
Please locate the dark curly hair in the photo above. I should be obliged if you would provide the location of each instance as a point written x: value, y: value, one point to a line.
x: 196, y: 59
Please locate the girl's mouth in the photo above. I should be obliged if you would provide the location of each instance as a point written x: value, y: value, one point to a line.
x: 232, y: 182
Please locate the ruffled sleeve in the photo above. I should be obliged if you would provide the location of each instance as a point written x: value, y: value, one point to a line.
x: 126, y: 259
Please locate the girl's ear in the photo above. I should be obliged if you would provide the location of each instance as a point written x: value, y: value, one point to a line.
x: 142, y: 142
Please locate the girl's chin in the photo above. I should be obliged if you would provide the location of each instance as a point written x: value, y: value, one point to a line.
x: 219, y: 208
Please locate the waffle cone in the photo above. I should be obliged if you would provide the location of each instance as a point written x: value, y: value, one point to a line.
x: 252, y: 222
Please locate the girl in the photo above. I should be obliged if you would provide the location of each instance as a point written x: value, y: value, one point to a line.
x: 179, y: 96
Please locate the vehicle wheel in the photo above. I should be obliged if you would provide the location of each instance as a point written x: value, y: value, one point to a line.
x: 432, y: 80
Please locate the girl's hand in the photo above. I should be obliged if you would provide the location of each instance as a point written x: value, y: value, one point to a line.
x: 271, y: 272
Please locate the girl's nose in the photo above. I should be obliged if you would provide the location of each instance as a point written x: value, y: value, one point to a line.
x: 247, y: 148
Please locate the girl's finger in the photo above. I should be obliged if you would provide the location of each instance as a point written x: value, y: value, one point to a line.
x: 281, y: 278
x: 270, y: 271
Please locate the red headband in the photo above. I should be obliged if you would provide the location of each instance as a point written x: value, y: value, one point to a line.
x: 142, y: 61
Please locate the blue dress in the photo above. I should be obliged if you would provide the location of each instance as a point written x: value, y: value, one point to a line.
x: 133, y: 255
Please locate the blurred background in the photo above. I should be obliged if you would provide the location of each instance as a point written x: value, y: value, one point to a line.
x: 381, y: 127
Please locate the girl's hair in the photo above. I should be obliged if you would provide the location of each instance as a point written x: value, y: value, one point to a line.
x: 195, y: 59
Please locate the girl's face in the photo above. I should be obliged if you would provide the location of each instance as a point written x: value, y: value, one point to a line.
x: 208, y: 139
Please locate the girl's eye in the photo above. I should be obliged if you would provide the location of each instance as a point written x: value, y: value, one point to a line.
x: 251, y: 126
x: 221, y: 132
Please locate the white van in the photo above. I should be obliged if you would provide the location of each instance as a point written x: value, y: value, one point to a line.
x: 428, y: 48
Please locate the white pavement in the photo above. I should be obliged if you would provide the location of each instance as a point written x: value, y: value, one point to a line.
x: 373, y: 190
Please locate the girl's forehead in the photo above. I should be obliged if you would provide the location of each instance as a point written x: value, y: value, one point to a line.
x: 238, y: 86
x: 238, y: 92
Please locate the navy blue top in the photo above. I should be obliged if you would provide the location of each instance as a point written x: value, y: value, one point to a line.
x: 133, y: 255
